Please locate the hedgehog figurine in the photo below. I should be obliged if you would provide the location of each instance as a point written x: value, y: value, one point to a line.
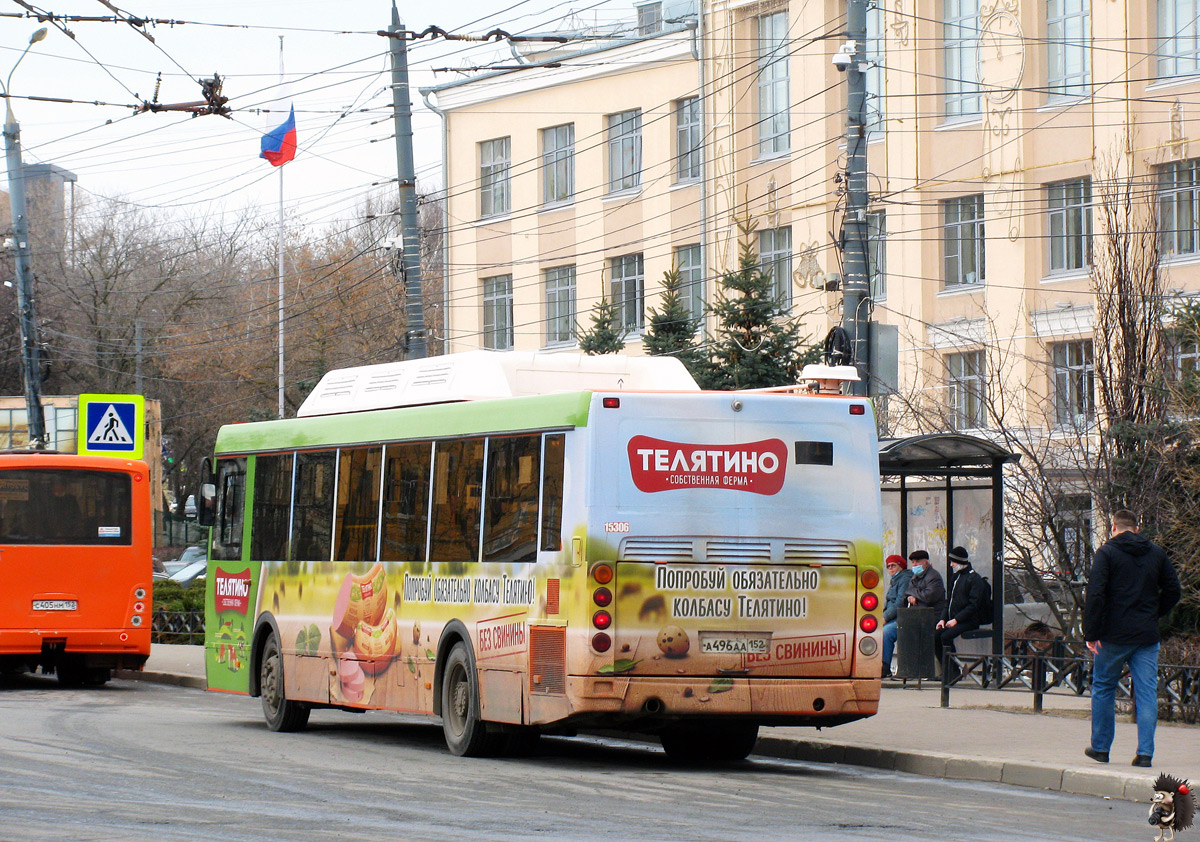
x: 1172, y: 808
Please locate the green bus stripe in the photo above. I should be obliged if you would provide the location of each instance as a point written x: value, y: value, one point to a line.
x: 569, y: 409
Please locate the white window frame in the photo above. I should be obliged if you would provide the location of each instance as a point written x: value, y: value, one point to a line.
x: 560, y: 305
x: 1178, y: 42
x: 1069, y: 221
x: 691, y: 278
x: 498, y: 333
x: 1067, y: 49
x: 627, y: 277
x: 1073, y: 382
x: 689, y: 142
x: 494, y: 161
x: 960, y: 53
x: 773, y: 84
x: 1179, y: 207
x: 963, y: 242
x: 558, y: 164
x: 877, y: 254
x: 876, y: 47
x: 775, y: 256
x: 624, y: 150
x: 966, y: 382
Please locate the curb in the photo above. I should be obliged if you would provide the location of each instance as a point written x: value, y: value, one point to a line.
x: 1119, y: 786
x: 162, y: 678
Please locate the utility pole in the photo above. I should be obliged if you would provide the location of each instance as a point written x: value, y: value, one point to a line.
x: 410, y: 255
x: 856, y: 290
x: 30, y: 362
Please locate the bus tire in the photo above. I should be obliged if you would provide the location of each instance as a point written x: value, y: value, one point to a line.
x: 466, y: 734
x: 281, y: 713
x: 726, y: 742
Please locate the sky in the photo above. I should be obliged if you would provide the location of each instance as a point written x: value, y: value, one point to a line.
x: 336, y: 68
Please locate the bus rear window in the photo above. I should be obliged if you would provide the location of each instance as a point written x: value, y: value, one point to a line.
x: 46, y: 506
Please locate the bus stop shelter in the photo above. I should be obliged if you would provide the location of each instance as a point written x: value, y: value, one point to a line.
x: 943, y: 490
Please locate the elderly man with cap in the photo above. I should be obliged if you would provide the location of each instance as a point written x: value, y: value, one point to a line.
x: 964, y: 611
x: 897, y: 569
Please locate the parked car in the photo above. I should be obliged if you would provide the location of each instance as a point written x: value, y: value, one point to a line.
x: 188, y: 556
x: 194, y: 572
x: 189, y: 506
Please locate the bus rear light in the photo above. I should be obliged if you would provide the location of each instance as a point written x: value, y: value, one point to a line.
x: 868, y: 646
x: 140, y: 593
x: 139, y: 607
x: 601, y: 642
x: 602, y: 573
x: 869, y: 602
x: 602, y: 620
x: 868, y: 623
x: 137, y: 477
x: 610, y: 403
x: 870, y: 578
x: 135, y: 620
x: 858, y: 409
x: 124, y: 637
x: 602, y: 597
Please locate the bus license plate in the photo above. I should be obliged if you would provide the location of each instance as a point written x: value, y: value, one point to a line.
x: 55, y: 605
x: 712, y: 643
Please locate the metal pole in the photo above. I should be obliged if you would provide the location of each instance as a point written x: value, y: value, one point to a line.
x: 30, y: 362
x: 856, y: 301
x: 407, y: 176
x: 279, y: 271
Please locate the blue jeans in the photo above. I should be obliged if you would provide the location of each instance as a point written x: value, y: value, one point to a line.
x: 889, y: 643
x: 1143, y: 669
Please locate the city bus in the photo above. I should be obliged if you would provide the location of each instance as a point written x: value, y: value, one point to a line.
x: 76, y: 565
x: 527, y: 544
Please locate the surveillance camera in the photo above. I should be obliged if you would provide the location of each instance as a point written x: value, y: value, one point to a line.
x: 844, y: 57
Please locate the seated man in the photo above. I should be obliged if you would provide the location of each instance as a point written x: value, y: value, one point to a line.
x: 897, y: 569
x: 963, y: 612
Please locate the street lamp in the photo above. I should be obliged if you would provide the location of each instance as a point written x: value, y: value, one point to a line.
x: 30, y: 364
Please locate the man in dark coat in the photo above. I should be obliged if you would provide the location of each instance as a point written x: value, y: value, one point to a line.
x: 1132, y: 585
x: 964, y: 610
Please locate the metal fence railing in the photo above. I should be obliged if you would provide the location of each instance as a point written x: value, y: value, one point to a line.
x: 1064, y: 666
x: 186, y: 627
x: 171, y: 530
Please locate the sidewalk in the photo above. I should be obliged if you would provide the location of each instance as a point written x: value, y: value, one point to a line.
x: 972, y: 740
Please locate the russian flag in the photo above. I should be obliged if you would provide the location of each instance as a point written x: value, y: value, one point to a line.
x: 279, y: 144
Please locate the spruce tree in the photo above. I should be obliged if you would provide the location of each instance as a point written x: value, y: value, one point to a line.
x: 757, y: 342
x: 607, y: 334
x: 671, y: 331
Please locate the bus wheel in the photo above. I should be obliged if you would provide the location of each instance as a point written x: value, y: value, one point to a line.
x: 466, y: 734
x: 281, y: 713
x: 716, y: 743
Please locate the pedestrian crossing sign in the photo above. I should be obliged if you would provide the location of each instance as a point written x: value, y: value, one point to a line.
x: 112, y: 425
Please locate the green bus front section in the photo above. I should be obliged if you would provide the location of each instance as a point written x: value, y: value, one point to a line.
x: 535, y: 412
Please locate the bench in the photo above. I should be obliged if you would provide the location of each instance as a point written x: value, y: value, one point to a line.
x: 977, y: 642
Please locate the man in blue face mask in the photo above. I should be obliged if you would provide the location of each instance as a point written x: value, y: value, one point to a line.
x: 926, y: 590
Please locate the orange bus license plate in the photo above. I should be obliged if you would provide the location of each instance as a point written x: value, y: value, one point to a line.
x: 55, y: 605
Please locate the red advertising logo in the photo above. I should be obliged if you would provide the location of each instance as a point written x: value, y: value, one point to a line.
x: 757, y: 467
x: 232, y: 591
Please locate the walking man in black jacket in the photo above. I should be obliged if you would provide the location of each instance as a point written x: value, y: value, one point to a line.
x: 1132, y: 584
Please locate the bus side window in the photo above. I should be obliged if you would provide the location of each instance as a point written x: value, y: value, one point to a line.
x: 357, y: 509
x: 458, y: 476
x: 552, y: 493
x: 231, y: 501
x: 312, y: 517
x: 510, y: 518
x: 406, y: 501
x: 272, y: 506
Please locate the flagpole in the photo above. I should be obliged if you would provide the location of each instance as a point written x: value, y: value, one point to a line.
x: 279, y: 254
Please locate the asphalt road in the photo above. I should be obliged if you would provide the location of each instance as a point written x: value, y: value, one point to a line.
x: 141, y: 761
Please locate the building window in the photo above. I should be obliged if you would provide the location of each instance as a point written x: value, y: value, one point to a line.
x: 558, y: 164
x: 498, y: 313
x: 1067, y: 47
x: 560, y: 305
x: 774, y: 109
x: 1074, y: 382
x: 1185, y: 357
x: 960, y: 50
x: 493, y: 177
x: 1178, y: 201
x: 688, y: 142
x: 876, y: 62
x: 962, y: 236
x: 1178, y: 37
x: 1073, y: 526
x: 877, y: 254
x: 624, y: 150
x: 629, y: 290
x: 1070, y: 217
x: 966, y: 377
x: 649, y: 18
x: 691, y: 279
x: 775, y: 259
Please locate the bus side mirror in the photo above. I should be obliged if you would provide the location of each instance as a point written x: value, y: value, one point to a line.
x: 206, y: 506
